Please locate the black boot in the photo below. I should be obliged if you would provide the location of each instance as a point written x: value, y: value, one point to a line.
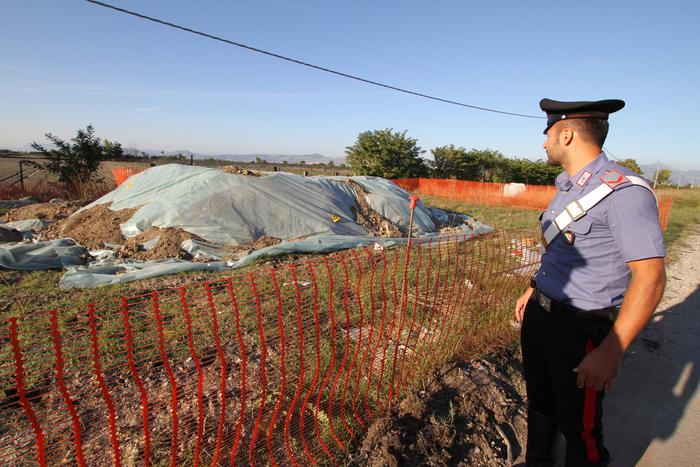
x: 572, y: 460
x: 542, y: 439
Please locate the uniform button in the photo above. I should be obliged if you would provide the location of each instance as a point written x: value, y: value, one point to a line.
x: 554, y: 212
x: 544, y: 273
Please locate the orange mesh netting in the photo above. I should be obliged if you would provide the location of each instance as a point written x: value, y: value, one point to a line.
x: 285, y: 365
x: 499, y: 194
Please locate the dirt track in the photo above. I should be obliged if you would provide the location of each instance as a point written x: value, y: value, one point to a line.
x: 653, y: 413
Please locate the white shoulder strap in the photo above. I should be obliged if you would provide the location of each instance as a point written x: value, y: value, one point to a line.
x: 578, y: 208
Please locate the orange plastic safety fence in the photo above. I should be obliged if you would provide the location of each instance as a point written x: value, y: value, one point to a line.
x: 665, y: 205
x: 275, y: 366
x: 494, y: 194
x: 122, y: 173
x: 500, y: 194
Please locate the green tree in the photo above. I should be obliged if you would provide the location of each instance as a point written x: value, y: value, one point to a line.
x: 630, y: 164
x: 112, y: 149
x: 530, y: 172
x: 664, y: 177
x: 450, y: 161
x: 385, y: 153
x: 484, y: 165
x: 74, y: 162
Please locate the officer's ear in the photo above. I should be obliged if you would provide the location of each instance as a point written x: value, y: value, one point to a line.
x: 566, y: 135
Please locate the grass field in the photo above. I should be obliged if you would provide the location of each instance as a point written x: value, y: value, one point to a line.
x: 23, y: 292
x: 9, y: 166
x: 685, y: 213
x: 27, y: 294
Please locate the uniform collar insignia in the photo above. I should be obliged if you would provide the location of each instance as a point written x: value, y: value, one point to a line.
x: 583, y: 179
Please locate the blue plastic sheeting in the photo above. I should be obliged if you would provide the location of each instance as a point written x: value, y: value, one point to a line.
x: 310, y: 215
x: 230, y: 209
x: 96, y: 275
x: 108, y: 273
x: 54, y: 254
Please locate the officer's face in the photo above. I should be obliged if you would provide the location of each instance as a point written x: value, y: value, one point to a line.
x: 552, y: 146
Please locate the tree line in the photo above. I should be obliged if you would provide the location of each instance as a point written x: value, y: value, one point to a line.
x: 382, y: 153
x: 393, y: 154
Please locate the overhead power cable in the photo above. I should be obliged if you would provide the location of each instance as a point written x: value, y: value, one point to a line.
x: 306, y: 64
x: 610, y: 153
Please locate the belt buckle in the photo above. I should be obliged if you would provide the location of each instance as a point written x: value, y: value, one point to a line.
x: 544, y: 301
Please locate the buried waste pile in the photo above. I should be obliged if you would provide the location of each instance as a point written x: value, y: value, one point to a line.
x: 174, y: 218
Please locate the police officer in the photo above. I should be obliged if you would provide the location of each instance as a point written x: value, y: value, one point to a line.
x: 601, y: 278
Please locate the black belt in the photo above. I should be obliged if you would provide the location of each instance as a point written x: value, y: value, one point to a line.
x: 557, y: 308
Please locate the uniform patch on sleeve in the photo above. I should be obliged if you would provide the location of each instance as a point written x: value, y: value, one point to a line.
x: 613, y: 178
x: 583, y: 179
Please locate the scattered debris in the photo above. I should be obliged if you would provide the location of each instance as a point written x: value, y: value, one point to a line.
x: 234, y: 169
x: 376, y: 224
x: 164, y: 243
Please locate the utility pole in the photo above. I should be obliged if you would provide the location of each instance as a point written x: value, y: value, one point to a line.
x: 21, y: 175
x: 656, y: 177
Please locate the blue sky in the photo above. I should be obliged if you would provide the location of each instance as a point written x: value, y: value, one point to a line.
x: 69, y: 63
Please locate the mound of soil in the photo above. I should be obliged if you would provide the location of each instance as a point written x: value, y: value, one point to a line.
x: 93, y: 227
x: 167, y: 246
x: 44, y: 211
x: 376, y: 224
x: 261, y: 242
x: 233, y: 169
x: 472, y: 413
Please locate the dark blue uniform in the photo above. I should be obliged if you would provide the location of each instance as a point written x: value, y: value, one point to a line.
x: 583, y: 279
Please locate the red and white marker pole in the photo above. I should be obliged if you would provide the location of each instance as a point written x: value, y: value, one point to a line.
x: 413, y: 200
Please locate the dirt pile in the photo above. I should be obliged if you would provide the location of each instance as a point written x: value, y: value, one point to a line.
x: 166, y: 244
x: 234, y: 169
x: 44, y: 211
x: 93, y: 227
x: 376, y: 224
x: 472, y: 413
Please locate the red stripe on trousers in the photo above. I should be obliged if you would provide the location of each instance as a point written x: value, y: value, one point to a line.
x: 589, y: 413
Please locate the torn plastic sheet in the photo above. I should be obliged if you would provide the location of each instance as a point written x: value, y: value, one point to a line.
x: 28, y: 227
x: 96, y: 275
x: 230, y: 209
x: 107, y: 273
x: 203, y: 251
x: 53, y: 254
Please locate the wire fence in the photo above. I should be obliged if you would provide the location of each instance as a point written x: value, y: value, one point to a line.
x: 282, y: 365
x: 504, y: 194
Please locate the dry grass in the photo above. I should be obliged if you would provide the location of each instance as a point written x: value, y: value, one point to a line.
x: 46, y: 190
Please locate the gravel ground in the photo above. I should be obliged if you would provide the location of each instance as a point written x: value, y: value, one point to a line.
x: 653, y: 413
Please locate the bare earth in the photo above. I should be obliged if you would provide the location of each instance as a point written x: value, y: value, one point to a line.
x: 473, y: 412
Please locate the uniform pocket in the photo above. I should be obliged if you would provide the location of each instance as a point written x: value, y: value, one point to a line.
x: 581, y: 226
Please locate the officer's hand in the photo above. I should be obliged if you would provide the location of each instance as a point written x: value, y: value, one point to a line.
x: 598, y: 369
x: 521, y: 303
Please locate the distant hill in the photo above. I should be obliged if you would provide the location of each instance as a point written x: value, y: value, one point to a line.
x: 314, y: 158
x: 291, y: 158
x: 683, y: 177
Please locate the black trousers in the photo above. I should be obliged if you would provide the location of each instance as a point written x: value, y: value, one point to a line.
x: 553, y: 345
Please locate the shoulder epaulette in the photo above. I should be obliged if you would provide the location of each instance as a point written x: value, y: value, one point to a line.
x: 576, y: 209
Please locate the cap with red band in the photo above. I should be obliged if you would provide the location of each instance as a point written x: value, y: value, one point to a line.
x: 562, y: 110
